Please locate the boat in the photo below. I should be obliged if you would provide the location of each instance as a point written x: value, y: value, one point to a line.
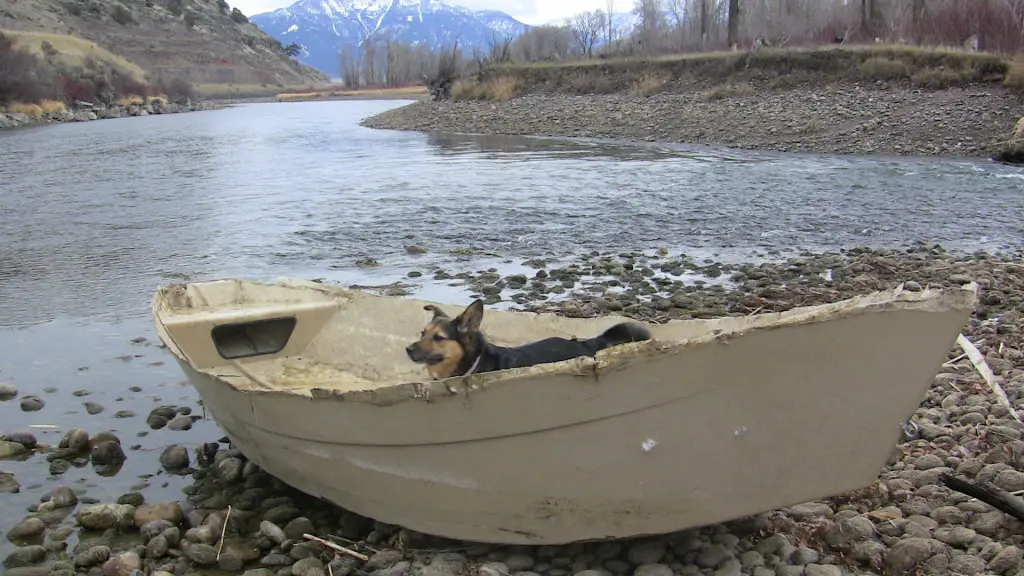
x: 710, y: 421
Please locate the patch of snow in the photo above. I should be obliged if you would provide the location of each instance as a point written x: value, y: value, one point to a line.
x: 292, y: 28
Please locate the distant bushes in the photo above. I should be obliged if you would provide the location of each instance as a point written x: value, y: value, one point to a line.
x: 238, y: 17
x: 27, y: 81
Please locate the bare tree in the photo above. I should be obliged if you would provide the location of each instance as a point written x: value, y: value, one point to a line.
x: 734, y: 22
x: 610, y: 33
x: 350, y: 67
x: 586, y: 29
x: 651, y: 26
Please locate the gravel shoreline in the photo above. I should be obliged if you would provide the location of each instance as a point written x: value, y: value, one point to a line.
x: 842, y: 118
x: 11, y: 120
x: 905, y: 523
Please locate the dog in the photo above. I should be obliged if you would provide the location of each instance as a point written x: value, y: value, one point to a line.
x: 455, y: 346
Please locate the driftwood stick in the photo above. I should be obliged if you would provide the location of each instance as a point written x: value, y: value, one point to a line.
x: 336, y: 547
x: 223, y: 531
x: 992, y: 495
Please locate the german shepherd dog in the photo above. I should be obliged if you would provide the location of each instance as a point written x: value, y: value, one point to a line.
x: 456, y: 347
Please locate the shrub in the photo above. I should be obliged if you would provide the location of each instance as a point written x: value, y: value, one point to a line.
x: 26, y: 109
x: 23, y: 78
x: 175, y: 7
x: 467, y: 90
x: 646, y: 85
x: 48, y: 48
x: 1015, y: 77
x: 238, y: 17
x: 223, y: 6
x: 939, y: 78
x: 877, y: 68
x: 191, y: 19
x: 77, y: 89
x: 502, y: 88
x: 724, y: 91
x: 122, y: 15
x: 177, y: 89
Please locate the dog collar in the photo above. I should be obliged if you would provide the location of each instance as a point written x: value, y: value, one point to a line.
x: 474, y: 366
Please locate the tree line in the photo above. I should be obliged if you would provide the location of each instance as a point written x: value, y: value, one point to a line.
x: 632, y: 28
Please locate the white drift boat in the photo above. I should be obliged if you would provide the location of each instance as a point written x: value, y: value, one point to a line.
x: 712, y: 420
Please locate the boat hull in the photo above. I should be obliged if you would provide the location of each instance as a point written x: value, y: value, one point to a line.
x: 654, y: 439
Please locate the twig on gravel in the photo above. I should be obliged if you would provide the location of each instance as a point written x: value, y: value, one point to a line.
x: 950, y: 363
x: 992, y: 495
x: 336, y: 547
x: 223, y: 531
x: 990, y: 378
x: 352, y: 542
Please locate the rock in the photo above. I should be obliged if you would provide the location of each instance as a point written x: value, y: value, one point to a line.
x: 907, y: 554
x: 1008, y: 559
x: 132, y: 498
x: 494, y: 569
x: 26, y: 439
x: 276, y: 560
x: 272, y: 532
x: 649, y: 570
x: 202, y: 555
x: 519, y: 562
x: 93, y: 556
x: 299, y: 526
x: 23, y: 557
x: 822, y: 570
x: 230, y: 470
x: 9, y: 483
x: 647, y: 552
x: 308, y: 567
x: 803, y: 555
x: 157, y: 547
x: 383, y: 560
x: 180, y: 423
x: 809, y: 510
x: 230, y: 562
x: 107, y: 453
x: 28, y: 529
x: 105, y: 516
x: 11, y: 449
x: 870, y: 553
x: 76, y: 440
x: 32, y: 404
x: 63, y: 497
x: 169, y: 512
x: 153, y: 528
x: 967, y: 565
x: 415, y: 249
x: 7, y: 391
x: 175, y: 458
x: 93, y: 408
x: 958, y: 536
x: 259, y: 572
x: 122, y: 564
x: 713, y: 556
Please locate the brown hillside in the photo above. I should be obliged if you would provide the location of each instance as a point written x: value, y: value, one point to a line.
x: 200, y: 41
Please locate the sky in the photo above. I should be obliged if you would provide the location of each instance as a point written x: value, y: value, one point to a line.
x: 533, y: 12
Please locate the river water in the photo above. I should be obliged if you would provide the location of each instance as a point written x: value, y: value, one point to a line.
x: 94, y: 216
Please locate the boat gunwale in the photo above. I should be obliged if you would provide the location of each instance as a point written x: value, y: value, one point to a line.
x: 606, y: 361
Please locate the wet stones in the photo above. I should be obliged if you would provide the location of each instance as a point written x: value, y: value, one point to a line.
x: 26, y: 439
x: 11, y: 449
x: 159, y: 417
x: 9, y: 483
x: 107, y: 453
x: 175, y: 458
x: 7, y: 391
x: 105, y: 516
x: 76, y: 441
x: 28, y: 529
x: 32, y: 404
x: 25, y: 556
x: 169, y: 513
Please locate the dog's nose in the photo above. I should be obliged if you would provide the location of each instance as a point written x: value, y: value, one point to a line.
x: 409, y: 350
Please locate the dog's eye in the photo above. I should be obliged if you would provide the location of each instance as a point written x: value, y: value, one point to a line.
x: 438, y: 337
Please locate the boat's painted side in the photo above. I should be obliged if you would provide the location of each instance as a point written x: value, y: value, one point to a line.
x: 649, y: 438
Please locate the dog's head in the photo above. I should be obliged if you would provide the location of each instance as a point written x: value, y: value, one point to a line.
x: 445, y: 343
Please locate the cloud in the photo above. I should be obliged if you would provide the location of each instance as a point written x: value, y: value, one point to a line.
x: 528, y: 11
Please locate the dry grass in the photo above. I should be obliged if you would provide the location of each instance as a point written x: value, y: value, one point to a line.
x: 26, y: 109
x: 1015, y: 77
x: 304, y: 95
x: 132, y: 101
x: 877, y: 68
x: 52, y: 106
x: 499, y: 89
x: 941, y: 78
x: 723, y: 91
x: 775, y: 66
x: 647, y: 85
x: 72, y: 51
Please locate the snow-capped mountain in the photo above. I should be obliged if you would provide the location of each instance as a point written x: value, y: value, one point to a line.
x: 323, y: 27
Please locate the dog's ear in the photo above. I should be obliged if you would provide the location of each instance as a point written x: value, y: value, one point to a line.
x: 438, y: 313
x: 470, y: 319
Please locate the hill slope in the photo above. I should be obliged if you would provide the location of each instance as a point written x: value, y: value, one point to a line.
x: 323, y: 27
x: 199, y: 41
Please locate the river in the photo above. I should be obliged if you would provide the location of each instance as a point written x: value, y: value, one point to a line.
x: 94, y: 216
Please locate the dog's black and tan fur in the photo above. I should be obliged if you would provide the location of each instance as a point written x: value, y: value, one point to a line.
x: 455, y: 346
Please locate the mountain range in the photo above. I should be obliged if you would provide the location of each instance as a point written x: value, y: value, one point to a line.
x: 324, y: 27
